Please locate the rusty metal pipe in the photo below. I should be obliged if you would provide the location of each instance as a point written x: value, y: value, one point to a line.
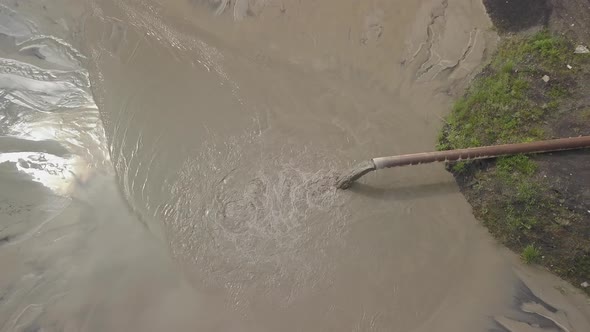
x: 483, y: 152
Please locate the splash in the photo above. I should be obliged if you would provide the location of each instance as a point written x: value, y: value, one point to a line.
x: 345, y: 181
x: 235, y: 222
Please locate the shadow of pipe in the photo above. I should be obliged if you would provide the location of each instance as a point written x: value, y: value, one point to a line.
x: 404, y: 193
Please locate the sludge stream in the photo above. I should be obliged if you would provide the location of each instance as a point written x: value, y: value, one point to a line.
x: 168, y: 165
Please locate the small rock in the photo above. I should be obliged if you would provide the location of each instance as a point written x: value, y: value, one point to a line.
x: 581, y: 49
x: 545, y: 78
x: 585, y: 284
x: 569, y: 67
x: 562, y: 222
x: 561, y: 289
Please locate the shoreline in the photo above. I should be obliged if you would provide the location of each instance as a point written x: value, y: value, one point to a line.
x: 533, y: 88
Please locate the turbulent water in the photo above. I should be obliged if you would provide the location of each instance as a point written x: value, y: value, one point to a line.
x: 169, y: 165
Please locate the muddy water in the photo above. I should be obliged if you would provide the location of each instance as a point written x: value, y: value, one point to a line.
x: 226, y: 124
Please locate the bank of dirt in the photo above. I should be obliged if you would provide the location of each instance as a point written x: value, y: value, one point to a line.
x: 535, y: 87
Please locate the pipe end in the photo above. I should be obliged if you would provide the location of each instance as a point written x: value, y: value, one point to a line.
x: 345, y: 181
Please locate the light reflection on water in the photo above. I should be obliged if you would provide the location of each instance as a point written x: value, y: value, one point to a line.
x: 69, y: 244
x: 54, y: 172
x: 45, y: 101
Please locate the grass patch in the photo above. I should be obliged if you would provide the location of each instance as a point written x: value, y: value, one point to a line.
x: 509, y: 102
x: 460, y: 167
x: 585, y: 114
x: 498, y: 107
x: 511, y: 166
x: 531, y: 254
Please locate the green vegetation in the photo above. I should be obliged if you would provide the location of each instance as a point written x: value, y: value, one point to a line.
x: 520, y: 165
x: 531, y: 254
x: 498, y: 108
x: 510, y: 102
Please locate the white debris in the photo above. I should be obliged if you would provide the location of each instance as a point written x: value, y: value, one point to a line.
x: 585, y: 284
x: 545, y: 78
x: 581, y: 49
x: 569, y: 67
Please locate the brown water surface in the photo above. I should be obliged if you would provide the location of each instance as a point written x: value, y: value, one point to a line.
x: 226, y: 123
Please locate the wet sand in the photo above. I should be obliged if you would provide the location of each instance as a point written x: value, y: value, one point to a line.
x: 225, y: 133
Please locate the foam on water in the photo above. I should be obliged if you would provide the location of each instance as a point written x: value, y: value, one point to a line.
x: 236, y: 225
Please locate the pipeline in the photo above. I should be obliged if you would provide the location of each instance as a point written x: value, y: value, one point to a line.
x: 484, y: 152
